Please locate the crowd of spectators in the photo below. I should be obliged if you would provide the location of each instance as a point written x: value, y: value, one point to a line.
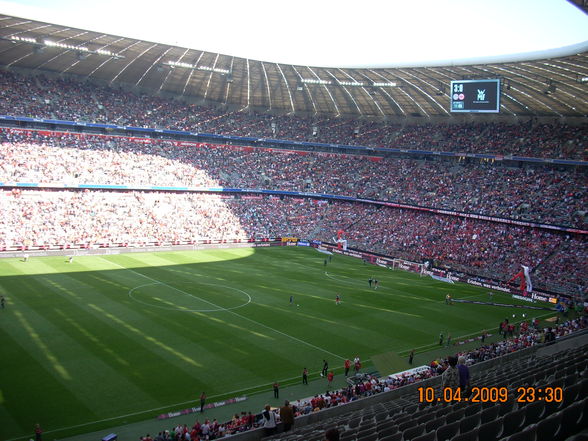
x: 490, y: 249
x: 94, y: 217
x: 68, y: 99
x: 538, y: 195
x: 371, y: 385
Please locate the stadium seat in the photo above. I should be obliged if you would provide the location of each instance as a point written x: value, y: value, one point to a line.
x: 413, y: 432
x: 411, y: 409
x: 368, y: 437
x: 550, y: 426
x: 570, y: 393
x: 506, y: 407
x: 443, y: 411
x: 366, y: 429
x: 386, y: 424
x: 583, y: 388
x: 435, y: 424
x: 447, y: 431
x: 571, y: 419
x: 472, y: 435
x: 534, y: 412
x: 490, y: 431
x: 469, y: 423
x: 528, y: 434
x: 354, y: 422
x: 456, y: 415
x: 512, y: 422
x: 423, y: 419
x: 381, y: 416
x: 395, y: 437
x: 406, y: 425
x: 348, y: 435
x: 490, y: 414
x: 388, y: 431
x: 430, y: 436
x: 472, y: 409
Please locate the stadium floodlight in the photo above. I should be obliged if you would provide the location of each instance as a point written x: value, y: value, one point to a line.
x: 52, y: 43
x: 195, y: 67
x: 380, y: 84
x: 16, y: 38
x: 351, y: 83
x: 40, y: 44
x: 316, y: 81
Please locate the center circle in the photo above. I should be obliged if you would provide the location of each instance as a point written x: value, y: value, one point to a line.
x: 190, y: 296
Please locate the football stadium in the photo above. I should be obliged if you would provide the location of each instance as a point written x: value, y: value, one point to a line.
x: 197, y: 245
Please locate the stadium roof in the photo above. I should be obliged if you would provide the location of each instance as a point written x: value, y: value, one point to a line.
x: 551, y: 83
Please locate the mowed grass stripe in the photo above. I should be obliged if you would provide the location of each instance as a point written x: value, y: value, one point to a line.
x: 30, y: 390
x: 83, y: 372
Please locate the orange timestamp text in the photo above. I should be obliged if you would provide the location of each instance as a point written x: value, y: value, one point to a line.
x: 490, y: 395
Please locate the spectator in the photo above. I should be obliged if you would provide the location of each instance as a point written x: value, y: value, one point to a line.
x: 287, y: 416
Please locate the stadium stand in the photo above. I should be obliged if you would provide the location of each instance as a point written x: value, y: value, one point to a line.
x: 525, y: 194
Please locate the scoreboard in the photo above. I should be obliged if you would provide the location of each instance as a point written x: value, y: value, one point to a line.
x: 477, y: 96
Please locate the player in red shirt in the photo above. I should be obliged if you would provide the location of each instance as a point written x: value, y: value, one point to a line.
x: 330, y: 377
x: 347, y: 367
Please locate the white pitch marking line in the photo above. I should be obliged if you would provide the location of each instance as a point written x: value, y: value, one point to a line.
x: 131, y: 291
x: 230, y: 312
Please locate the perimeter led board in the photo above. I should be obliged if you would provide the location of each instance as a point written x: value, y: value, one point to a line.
x: 475, y: 96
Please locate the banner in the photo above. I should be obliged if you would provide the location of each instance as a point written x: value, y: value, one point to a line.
x: 168, y: 415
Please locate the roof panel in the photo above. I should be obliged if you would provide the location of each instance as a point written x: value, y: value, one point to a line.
x: 550, y: 87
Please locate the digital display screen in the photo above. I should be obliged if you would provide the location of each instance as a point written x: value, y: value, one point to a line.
x: 477, y: 96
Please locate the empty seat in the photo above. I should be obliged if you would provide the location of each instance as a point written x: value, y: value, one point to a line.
x: 369, y: 437
x: 570, y: 393
x: 447, y: 431
x: 472, y: 409
x: 425, y: 437
x: 435, y: 424
x: 413, y: 432
x: 354, y: 422
x: 550, y: 426
x: 571, y: 420
x: 490, y: 431
x: 443, y: 411
x: 513, y: 422
x: 395, y: 437
x: 456, y: 415
x: 490, y: 414
x: 529, y: 434
x: 506, y: 407
x: 386, y: 424
x: 381, y: 416
x: 472, y: 435
x: 469, y: 423
x: 388, y: 431
x: 406, y: 425
x: 534, y: 412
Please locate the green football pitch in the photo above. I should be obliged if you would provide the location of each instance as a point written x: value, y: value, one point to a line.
x: 136, y: 335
